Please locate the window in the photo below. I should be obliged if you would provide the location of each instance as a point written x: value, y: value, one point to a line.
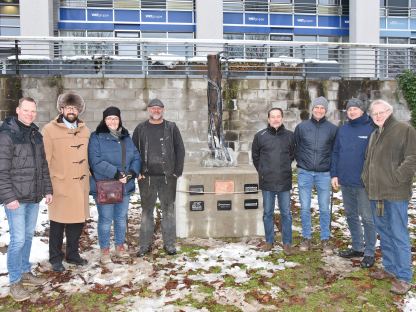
x: 256, y: 5
x: 128, y: 49
x: 100, y: 3
x: 155, y: 48
x: 9, y: 31
x: 234, y: 51
x: 280, y: 50
x: 328, y: 53
x: 100, y: 47
x: 128, y: 4
x: 71, y: 48
x: 181, y: 49
x: 9, y: 10
x: 281, y: 1
x: 74, y: 3
x: 305, y: 6
x: 10, y: 21
x: 309, y: 52
x: 329, y: 2
x: 398, y: 7
x: 256, y: 51
x: 153, y: 4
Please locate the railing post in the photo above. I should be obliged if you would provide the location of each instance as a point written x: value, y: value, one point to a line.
x: 16, y: 48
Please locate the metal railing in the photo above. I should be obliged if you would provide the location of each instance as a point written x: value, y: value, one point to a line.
x: 50, y: 56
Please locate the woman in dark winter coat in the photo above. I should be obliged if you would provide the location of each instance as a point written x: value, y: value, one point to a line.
x: 105, y: 153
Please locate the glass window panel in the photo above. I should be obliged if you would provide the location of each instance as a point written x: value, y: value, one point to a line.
x: 72, y: 48
x: 9, y: 10
x: 328, y: 53
x: 305, y: 6
x: 329, y: 2
x: 256, y: 51
x: 131, y: 4
x: 397, y: 57
x: 100, y: 3
x: 74, y: 3
x: 181, y: 49
x: 234, y: 51
x: 125, y: 48
x: 281, y: 50
x: 280, y: 1
x: 10, y: 31
x: 153, y: 4
x: 155, y: 48
x: 100, y: 47
x: 306, y: 51
x: 9, y: 1
x: 256, y: 5
x: 9, y: 21
x: 232, y: 5
x: 413, y: 4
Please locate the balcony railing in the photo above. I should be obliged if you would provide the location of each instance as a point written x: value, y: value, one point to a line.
x: 51, y: 56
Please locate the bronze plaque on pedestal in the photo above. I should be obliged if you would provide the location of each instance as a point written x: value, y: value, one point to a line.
x: 224, y: 186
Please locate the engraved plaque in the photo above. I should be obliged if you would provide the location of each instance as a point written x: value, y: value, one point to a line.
x: 224, y: 205
x: 197, y: 205
x: 251, y: 188
x: 224, y: 186
x: 251, y: 204
x: 196, y: 189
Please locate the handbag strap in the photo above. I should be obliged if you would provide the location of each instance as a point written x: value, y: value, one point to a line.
x: 123, y: 155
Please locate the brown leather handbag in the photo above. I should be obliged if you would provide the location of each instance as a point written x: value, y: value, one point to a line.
x: 109, y: 192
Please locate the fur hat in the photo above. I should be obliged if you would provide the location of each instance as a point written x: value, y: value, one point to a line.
x: 320, y: 101
x: 354, y: 102
x: 70, y: 98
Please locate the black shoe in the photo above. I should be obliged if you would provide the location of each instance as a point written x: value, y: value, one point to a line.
x: 58, y: 267
x: 367, y: 262
x: 350, y: 253
x: 77, y: 261
x: 170, y: 250
x: 142, y: 252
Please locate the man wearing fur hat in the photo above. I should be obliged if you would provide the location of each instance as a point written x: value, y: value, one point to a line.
x: 314, y: 139
x: 346, y: 166
x: 66, y: 142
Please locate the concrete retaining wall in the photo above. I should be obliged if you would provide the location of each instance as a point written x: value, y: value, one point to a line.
x: 186, y: 103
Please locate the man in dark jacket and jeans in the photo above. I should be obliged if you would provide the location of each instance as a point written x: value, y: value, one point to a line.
x: 161, y: 148
x: 273, y: 152
x: 24, y: 181
x: 314, y: 139
x: 388, y: 173
x: 346, y: 167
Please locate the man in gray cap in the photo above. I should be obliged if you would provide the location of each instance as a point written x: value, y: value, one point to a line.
x: 314, y: 139
x: 161, y: 147
x: 347, y: 163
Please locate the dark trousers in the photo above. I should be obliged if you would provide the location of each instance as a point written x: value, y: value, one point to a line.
x: 56, y: 236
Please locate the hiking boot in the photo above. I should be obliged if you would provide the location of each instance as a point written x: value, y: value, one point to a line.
x: 28, y: 279
x: 121, y: 252
x: 171, y: 250
x: 326, y: 247
x: 142, y: 251
x: 18, y: 292
x: 105, y: 257
x: 350, y: 253
x: 381, y: 274
x: 266, y: 247
x: 305, y: 245
x: 58, y: 267
x: 400, y: 287
x: 77, y: 261
x: 367, y: 262
x: 287, y: 249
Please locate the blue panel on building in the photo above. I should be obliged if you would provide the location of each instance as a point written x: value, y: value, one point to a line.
x: 126, y: 16
x: 100, y: 15
x: 281, y: 19
x: 383, y: 24
x: 328, y: 21
x: 392, y: 33
x: 179, y: 17
x: 126, y: 27
x: 154, y: 16
x: 248, y: 29
x: 321, y: 32
x: 345, y: 22
x: 72, y: 14
x: 397, y: 23
x: 233, y: 18
x: 85, y: 26
x: 305, y: 20
x: 256, y: 19
x: 170, y: 27
x: 413, y: 23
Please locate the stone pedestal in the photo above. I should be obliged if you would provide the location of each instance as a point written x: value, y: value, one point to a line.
x: 219, y: 202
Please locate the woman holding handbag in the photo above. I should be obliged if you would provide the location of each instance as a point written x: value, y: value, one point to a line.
x: 114, y: 163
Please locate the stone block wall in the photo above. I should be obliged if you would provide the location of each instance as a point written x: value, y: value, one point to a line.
x: 186, y: 103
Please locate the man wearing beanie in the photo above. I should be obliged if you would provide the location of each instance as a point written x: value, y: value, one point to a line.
x: 314, y: 139
x: 66, y: 141
x: 347, y: 163
x: 161, y: 147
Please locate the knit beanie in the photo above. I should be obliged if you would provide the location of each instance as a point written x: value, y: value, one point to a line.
x: 111, y: 111
x: 355, y: 103
x: 320, y: 101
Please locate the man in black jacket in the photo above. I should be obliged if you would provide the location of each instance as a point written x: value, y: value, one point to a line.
x: 161, y: 148
x: 24, y: 181
x: 273, y: 152
x: 314, y: 139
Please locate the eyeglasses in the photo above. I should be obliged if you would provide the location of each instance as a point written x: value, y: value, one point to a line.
x: 71, y: 108
x: 112, y: 118
x: 377, y: 114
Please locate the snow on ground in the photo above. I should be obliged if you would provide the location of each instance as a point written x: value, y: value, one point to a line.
x: 216, y: 259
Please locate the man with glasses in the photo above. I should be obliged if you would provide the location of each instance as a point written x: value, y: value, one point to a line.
x: 388, y: 174
x: 66, y: 142
x: 24, y: 181
x: 161, y: 148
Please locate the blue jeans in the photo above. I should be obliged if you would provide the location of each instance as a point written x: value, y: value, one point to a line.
x: 394, y: 238
x: 107, y: 214
x: 269, y: 199
x: 22, y: 224
x: 357, y: 204
x: 322, y: 182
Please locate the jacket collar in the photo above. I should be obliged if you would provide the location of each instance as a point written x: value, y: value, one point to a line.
x: 321, y: 121
x: 360, y: 120
x: 13, y: 124
x: 102, y: 128
x: 275, y: 131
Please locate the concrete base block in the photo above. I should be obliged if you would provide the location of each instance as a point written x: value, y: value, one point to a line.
x: 211, y: 214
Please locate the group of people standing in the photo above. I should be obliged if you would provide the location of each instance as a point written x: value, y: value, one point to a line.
x: 372, y: 158
x: 63, y: 164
